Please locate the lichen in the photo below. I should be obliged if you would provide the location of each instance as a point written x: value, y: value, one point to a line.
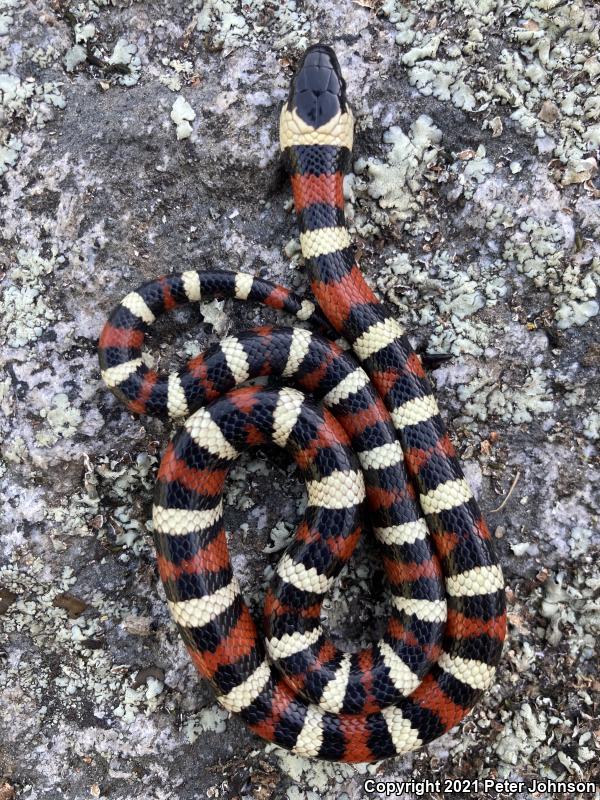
x: 75, y: 56
x: 488, y: 395
x: 124, y: 54
x: 542, y: 44
x: 182, y: 115
x: 396, y: 182
x: 209, y: 720
x: 62, y: 418
x: 23, y: 306
x: 9, y: 153
x: 538, y: 250
x: 312, y: 778
x: 287, y: 24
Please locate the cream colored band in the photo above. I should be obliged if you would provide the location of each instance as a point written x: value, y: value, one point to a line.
x: 338, y: 132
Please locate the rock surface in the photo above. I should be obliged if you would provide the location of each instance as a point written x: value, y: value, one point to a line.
x: 141, y: 138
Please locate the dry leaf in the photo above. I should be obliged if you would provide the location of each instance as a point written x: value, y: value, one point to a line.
x: 74, y: 606
x: 579, y: 171
x: 7, y: 792
x: 495, y: 125
x: 549, y: 111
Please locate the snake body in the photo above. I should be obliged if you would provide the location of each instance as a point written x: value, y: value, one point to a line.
x: 365, y: 431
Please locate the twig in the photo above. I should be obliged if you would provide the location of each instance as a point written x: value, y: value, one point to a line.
x: 510, y: 491
x: 91, y: 58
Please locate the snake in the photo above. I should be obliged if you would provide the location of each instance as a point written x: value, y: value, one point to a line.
x: 349, y: 399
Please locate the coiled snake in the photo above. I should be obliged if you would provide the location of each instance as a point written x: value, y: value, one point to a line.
x: 369, y: 441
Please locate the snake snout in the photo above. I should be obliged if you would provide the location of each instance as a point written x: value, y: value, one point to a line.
x: 318, y: 92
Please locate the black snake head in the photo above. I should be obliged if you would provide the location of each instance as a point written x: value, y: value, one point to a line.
x: 318, y: 91
x: 316, y: 111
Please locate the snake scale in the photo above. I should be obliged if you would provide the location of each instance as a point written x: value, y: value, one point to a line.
x: 365, y: 431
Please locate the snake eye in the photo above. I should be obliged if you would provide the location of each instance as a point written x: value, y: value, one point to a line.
x: 318, y: 92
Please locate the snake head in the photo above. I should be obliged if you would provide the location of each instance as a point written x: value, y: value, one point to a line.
x: 316, y: 111
x: 318, y: 90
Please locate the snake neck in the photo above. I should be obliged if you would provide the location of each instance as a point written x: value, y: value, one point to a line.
x: 317, y: 177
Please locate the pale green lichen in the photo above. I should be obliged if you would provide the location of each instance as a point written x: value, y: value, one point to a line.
x: 209, y: 720
x: 118, y: 482
x: 172, y: 82
x: 15, y: 451
x: 429, y: 49
x: 435, y: 78
x: 182, y: 71
x: 7, y: 398
x: 134, y: 699
x: 24, y: 101
x: 579, y: 170
x: 87, y: 675
x: 526, y: 732
x: 453, y: 293
x: 75, y: 56
x: 23, y: 305
x: 229, y: 28
x: 475, y: 171
x: 315, y: 777
x: 27, y: 100
x: 591, y: 427
x: 9, y: 153
x: 63, y: 420
x: 183, y: 115
x: 549, y: 55
x: 538, y: 250
x: 84, y: 32
x: 125, y: 54
x: 396, y: 182
x: 573, y: 616
x: 5, y: 22
x: 574, y: 312
x: 489, y: 395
